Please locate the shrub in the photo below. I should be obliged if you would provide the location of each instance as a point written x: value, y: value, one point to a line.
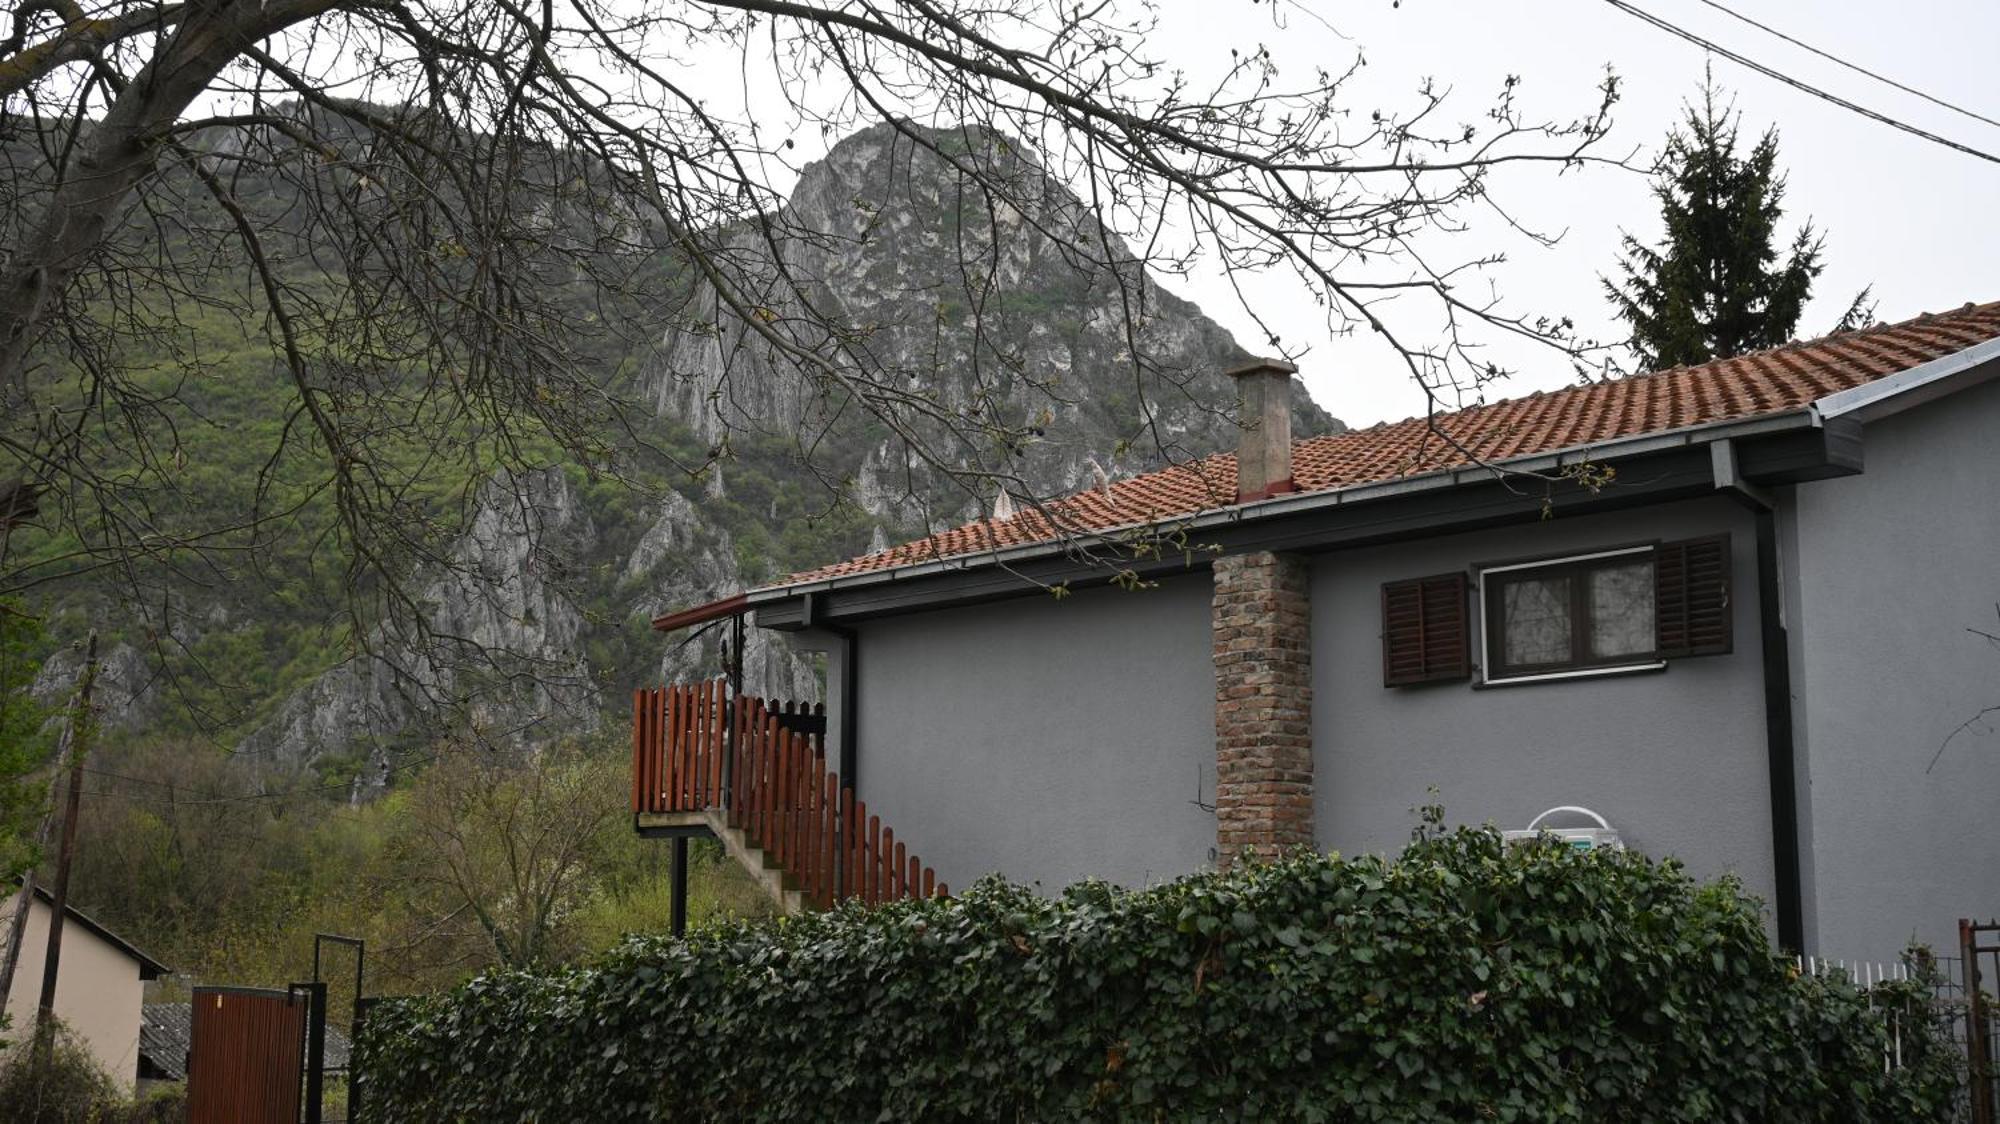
x: 1464, y: 980
x: 67, y: 1088
x: 163, y: 1104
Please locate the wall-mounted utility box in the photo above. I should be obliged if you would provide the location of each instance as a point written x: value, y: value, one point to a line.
x: 1586, y: 838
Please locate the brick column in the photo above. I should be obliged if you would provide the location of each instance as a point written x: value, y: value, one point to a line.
x: 1263, y: 705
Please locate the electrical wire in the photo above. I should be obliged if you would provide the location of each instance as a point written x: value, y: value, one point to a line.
x: 241, y: 798
x: 1797, y: 84
x: 1838, y: 61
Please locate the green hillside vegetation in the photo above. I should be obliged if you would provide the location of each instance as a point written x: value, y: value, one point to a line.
x: 265, y: 611
x: 478, y: 861
x: 26, y: 738
x: 224, y: 862
x: 224, y: 867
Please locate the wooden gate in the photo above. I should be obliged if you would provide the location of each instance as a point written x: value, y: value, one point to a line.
x: 245, y: 1057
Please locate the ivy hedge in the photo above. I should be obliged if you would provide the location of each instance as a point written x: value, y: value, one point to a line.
x: 1463, y: 980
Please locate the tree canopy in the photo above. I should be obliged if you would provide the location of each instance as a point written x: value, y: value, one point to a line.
x: 487, y: 190
x: 1718, y: 285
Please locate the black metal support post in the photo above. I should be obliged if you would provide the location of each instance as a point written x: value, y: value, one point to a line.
x: 316, y: 1062
x: 850, y: 702
x: 849, y: 765
x: 315, y: 1052
x: 360, y: 957
x: 1979, y: 1073
x: 735, y: 662
x: 850, y: 690
x: 678, y: 910
x: 355, y: 1084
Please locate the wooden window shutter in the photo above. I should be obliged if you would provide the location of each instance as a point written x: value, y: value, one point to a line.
x: 1691, y: 597
x: 1425, y: 638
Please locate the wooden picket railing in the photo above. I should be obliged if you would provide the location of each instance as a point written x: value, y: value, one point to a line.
x: 678, y: 745
x: 771, y: 780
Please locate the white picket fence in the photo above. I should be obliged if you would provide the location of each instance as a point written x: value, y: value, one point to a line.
x: 1866, y: 974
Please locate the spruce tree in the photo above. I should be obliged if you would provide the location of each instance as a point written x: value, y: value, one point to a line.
x: 1716, y: 287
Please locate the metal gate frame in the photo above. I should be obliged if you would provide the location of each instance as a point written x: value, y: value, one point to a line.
x: 265, y: 1070
x: 314, y: 1061
x: 1982, y: 1075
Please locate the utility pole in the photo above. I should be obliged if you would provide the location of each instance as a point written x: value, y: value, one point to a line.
x: 79, y: 744
x: 25, y: 897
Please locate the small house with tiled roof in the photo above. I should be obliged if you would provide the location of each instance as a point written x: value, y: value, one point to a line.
x: 100, y: 987
x: 1737, y: 611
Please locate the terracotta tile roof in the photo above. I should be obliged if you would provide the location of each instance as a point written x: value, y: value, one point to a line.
x: 1765, y: 382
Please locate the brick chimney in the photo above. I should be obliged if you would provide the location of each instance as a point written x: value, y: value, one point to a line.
x: 1264, y: 449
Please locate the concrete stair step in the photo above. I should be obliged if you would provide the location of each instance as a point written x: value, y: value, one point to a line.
x: 777, y: 883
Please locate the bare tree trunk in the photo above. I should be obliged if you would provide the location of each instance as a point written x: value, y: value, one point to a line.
x: 122, y: 150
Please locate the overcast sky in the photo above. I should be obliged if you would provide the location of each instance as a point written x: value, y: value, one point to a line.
x: 1909, y: 217
x: 1912, y: 218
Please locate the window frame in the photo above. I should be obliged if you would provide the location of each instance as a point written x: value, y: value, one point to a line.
x: 1491, y: 669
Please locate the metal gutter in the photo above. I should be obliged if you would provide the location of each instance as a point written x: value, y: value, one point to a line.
x: 1922, y: 383
x: 730, y: 606
x: 1325, y: 499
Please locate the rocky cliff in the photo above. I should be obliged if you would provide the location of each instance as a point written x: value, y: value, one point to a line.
x: 537, y: 621
x: 1012, y: 307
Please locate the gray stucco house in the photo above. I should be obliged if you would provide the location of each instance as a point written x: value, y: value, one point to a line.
x: 1730, y: 607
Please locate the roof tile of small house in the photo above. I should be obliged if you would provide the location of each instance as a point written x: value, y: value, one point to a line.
x: 1764, y: 382
x: 166, y: 1036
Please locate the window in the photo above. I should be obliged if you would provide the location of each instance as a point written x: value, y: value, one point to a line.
x: 1615, y: 609
x: 1596, y: 611
x: 1612, y: 610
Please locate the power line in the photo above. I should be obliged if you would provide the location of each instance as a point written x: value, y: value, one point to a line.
x: 1804, y: 87
x: 193, y: 801
x: 239, y: 798
x: 1838, y: 61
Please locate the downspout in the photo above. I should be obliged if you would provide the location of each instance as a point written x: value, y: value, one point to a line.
x: 850, y: 718
x: 734, y: 669
x: 850, y: 690
x: 1781, y: 747
x: 850, y: 707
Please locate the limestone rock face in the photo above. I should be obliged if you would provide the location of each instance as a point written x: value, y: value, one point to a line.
x: 537, y: 628
x: 975, y: 308
x: 506, y: 652
x: 499, y: 650
x: 127, y: 692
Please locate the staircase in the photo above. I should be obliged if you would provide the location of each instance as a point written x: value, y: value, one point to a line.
x: 753, y: 774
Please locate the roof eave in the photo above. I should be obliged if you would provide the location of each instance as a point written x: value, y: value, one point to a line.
x: 149, y: 968
x: 1925, y: 382
x: 1297, y: 502
x: 730, y: 606
x: 1856, y: 406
